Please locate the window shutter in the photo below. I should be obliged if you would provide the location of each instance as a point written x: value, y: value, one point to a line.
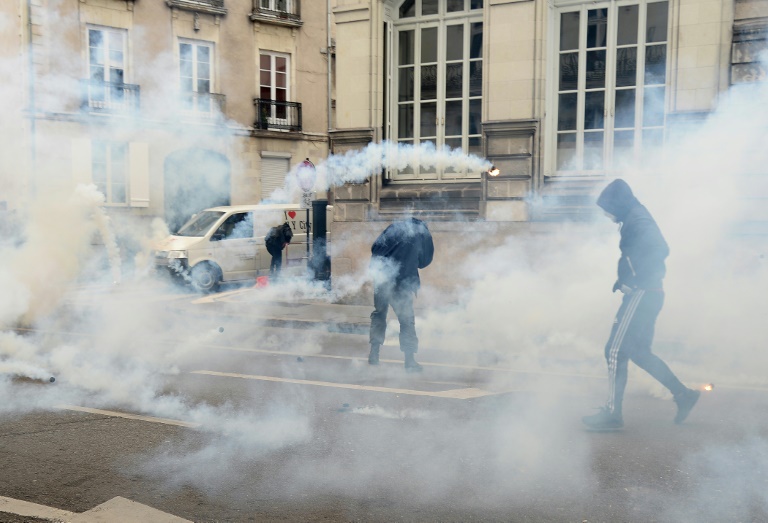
x: 273, y: 171
x: 81, y: 161
x: 138, y: 165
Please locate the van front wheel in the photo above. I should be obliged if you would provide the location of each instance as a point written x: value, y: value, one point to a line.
x: 205, y: 277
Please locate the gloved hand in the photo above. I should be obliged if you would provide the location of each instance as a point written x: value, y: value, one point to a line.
x: 625, y: 289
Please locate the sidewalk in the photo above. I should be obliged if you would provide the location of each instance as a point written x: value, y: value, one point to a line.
x: 254, y: 305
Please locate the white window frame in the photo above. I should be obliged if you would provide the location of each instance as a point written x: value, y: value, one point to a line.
x: 442, y: 21
x: 108, y: 63
x: 273, y: 5
x: 109, y: 183
x: 199, y: 99
x: 273, y: 116
x: 611, y: 165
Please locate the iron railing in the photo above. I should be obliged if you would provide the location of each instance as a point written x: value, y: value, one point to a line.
x: 203, y: 105
x: 287, y: 10
x: 199, y: 6
x: 278, y: 116
x: 109, y: 97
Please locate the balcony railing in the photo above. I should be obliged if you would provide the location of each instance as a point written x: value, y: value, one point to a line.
x: 214, y: 7
x: 286, y: 12
x: 277, y: 116
x: 109, y: 97
x: 203, y: 105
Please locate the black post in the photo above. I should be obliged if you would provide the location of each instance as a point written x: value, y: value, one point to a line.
x: 320, y: 262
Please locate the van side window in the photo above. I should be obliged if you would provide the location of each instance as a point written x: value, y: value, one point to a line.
x: 239, y: 225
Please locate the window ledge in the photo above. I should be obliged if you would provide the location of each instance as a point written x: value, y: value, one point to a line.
x: 431, y: 191
x: 276, y: 18
x: 214, y: 7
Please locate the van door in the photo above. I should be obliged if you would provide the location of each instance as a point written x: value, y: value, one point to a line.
x: 296, y: 252
x: 235, y: 247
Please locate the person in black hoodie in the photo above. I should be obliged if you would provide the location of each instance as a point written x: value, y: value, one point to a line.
x: 397, y: 255
x: 276, y: 240
x: 640, y: 274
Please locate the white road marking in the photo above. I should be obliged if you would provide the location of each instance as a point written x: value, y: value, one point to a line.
x: 211, y: 298
x: 720, y: 385
x: 422, y: 363
x: 116, y: 509
x: 116, y: 414
x: 33, y: 510
x: 337, y: 357
x: 461, y: 394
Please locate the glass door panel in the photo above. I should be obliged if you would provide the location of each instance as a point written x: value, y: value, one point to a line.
x: 438, y: 86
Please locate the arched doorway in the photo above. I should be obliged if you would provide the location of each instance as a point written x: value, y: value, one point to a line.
x: 194, y: 179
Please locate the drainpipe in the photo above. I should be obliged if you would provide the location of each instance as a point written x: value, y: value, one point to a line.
x: 32, y: 109
x: 328, y: 54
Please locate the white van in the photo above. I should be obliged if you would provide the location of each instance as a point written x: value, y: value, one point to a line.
x: 226, y: 244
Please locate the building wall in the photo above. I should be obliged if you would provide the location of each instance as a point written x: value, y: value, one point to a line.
x: 701, y: 47
x: 48, y: 150
x: 14, y: 160
x: 519, y: 48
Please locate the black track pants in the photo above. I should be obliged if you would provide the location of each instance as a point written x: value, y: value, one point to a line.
x: 384, y: 295
x: 631, y: 339
x: 277, y: 260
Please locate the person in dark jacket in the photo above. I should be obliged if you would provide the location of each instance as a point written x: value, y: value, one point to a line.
x: 640, y: 274
x: 276, y: 240
x: 397, y: 255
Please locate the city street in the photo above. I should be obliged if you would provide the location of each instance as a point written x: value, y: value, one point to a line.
x: 290, y: 423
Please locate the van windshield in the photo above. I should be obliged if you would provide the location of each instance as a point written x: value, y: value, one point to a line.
x: 199, y: 224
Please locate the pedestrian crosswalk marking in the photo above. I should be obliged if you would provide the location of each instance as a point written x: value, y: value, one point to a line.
x: 116, y: 509
x: 33, y: 510
x: 461, y: 394
x: 116, y: 414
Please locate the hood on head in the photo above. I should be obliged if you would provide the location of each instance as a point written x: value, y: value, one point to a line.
x: 617, y: 199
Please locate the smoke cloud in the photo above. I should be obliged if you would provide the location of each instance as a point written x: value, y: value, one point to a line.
x: 538, y: 303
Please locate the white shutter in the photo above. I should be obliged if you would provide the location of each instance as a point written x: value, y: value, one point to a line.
x: 138, y: 165
x: 81, y: 161
x: 273, y: 171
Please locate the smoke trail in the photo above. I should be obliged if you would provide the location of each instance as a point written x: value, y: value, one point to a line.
x: 108, y: 236
x: 57, y: 241
x: 357, y: 166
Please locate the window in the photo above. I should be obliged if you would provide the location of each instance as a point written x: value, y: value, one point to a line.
x: 196, y: 76
x: 436, y: 81
x: 106, y: 67
x: 610, y: 86
x: 273, y: 85
x: 237, y: 226
x: 109, y: 170
x: 283, y: 6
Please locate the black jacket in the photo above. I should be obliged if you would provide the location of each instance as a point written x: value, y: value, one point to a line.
x: 407, y: 243
x: 643, y: 248
x: 277, y: 237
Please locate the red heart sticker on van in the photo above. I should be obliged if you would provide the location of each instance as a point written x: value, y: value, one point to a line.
x: 292, y: 214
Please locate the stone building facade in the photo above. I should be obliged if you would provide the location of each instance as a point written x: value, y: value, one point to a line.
x: 167, y: 107
x: 561, y: 95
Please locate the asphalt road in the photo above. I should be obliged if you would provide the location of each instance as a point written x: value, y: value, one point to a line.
x: 297, y: 427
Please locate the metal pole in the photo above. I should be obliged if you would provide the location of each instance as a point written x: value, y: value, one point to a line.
x: 308, y: 236
x: 328, y: 55
x: 32, y: 108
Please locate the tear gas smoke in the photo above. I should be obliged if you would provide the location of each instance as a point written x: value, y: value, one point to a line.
x: 357, y: 166
x: 539, y: 302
